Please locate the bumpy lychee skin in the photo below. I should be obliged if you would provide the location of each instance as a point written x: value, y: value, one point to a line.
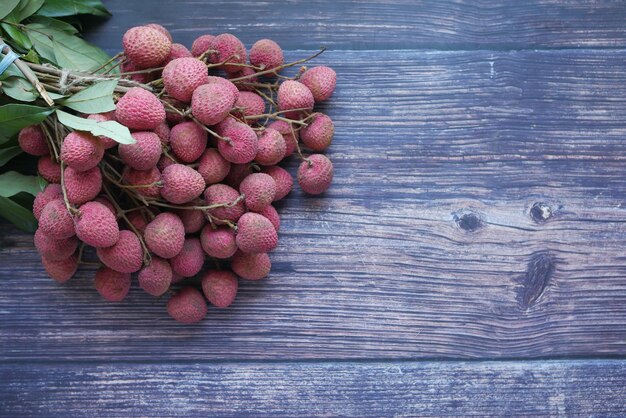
x: 226, y: 83
x: 213, y: 167
x: 165, y: 235
x: 201, y: 44
x: 112, y: 285
x: 165, y: 161
x: 210, y: 103
x: 220, y: 287
x: 272, y: 147
x: 188, y: 141
x: 187, y: 306
x: 61, y: 270
x: 144, y: 154
x: 321, y: 81
x: 188, y: 262
x: 193, y: 220
x: 267, y: 54
x: 33, y: 141
x: 148, y: 180
x: 81, y: 151
x: 47, y: 195
x: 290, y: 135
x: 237, y: 173
x: 228, y: 49
x: 54, y: 249
x: 243, y: 145
x: 106, y: 202
x: 138, y: 220
x: 107, y: 143
x: 181, y: 184
x: 222, y: 194
x: 56, y: 221
x: 283, y: 180
x: 270, y: 213
x: 82, y: 186
x: 260, y: 190
x: 178, y: 51
x: 96, y: 225
x: 315, y: 177
x: 251, y: 104
x: 161, y: 29
x: 177, y: 278
x: 163, y: 132
x: 146, y: 46
x: 125, y: 256
x: 294, y: 95
x: 139, y: 109
x: 245, y: 72
x: 218, y: 242
x: 251, y: 266
x: 49, y: 169
x: 318, y: 135
x: 156, y: 277
x: 182, y: 76
x: 256, y: 234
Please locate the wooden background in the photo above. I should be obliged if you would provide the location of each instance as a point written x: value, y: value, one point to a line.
x: 469, y: 258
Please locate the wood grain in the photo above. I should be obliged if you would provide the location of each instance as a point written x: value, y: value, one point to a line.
x: 477, y: 211
x: 573, y: 388
x: 384, y: 25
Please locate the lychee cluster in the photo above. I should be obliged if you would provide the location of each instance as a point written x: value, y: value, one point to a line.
x: 198, y: 186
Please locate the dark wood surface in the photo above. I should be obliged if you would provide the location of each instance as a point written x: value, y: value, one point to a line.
x: 477, y: 212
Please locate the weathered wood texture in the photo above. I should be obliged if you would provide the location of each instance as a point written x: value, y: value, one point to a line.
x: 574, y: 388
x: 477, y: 211
x: 373, y: 24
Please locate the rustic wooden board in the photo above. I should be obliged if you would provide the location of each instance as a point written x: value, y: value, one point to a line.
x: 373, y: 24
x: 573, y: 388
x: 432, y: 242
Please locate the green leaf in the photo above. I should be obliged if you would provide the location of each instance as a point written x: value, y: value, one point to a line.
x: 31, y: 56
x: 7, y: 154
x: 56, y: 96
x: 112, y: 129
x: 18, y: 35
x: 19, y: 89
x: 94, y: 99
x: 18, y: 215
x: 57, y: 24
x: 7, y: 7
x: 42, y: 43
x: 54, y: 8
x: 14, y: 117
x: 12, y: 183
x: 27, y: 8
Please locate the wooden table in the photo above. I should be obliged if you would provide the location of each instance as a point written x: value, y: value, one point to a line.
x: 469, y: 258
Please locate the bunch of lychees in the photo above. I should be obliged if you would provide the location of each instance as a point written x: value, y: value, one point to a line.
x: 199, y: 180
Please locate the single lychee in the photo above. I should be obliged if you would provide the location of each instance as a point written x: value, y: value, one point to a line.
x: 54, y: 249
x: 106, y: 202
x: 81, y: 151
x: 270, y: 213
x: 237, y: 173
x: 188, y: 141
x: 210, y: 103
x: 283, y: 180
x: 182, y: 76
x: 188, y: 262
x: 294, y: 95
x: 228, y: 49
x: 96, y: 225
x: 201, y: 44
x: 243, y: 145
x: 61, y: 270
x: 219, y: 287
x: 218, y: 242
x: 181, y: 184
x: 56, y: 221
x: 221, y: 194
x: 165, y: 235
x: 256, y: 234
x: 138, y: 220
x: 226, y: 83
x: 315, y: 174
x: 49, y: 169
x: 260, y: 190
x: 165, y: 161
x: 112, y: 285
x: 249, y: 104
x: 321, y: 81
x: 163, y: 132
x: 272, y: 147
x: 145, y: 183
x: 82, y: 186
x: 146, y: 46
x: 144, y: 154
x: 161, y: 29
x: 251, y: 266
x: 212, y: 166
x: 125, y: 256
x: 107, y: 143
x: 187, y: 306
x: 193, y: 219
x: 178, y: 51
x: 267, y: 54
x: 33, y: 141
x: 47, y: 195
x: 156, y: 277
x: 139, y: 109
x: 289, y: 134
x: 318, y: 135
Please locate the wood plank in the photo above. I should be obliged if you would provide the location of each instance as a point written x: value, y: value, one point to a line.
x: 572, y: 388
x: 373, y: 24
x: 431, y: 242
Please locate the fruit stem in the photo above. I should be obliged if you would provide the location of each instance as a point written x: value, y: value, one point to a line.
x: 70, y: 209
x: 275, y: 70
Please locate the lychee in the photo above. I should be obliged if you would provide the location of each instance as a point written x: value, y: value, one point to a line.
x: 201, y: 44
x: 290, y: 135
x: 96, y: 225
x: 107, y: 143
x: 176, y: 278
x: 82, y: 186
x: 146, y: 46
x: 161, y: 29
x: 219, y: 287
x: 128, y: 66
x: 188, y: 141
x: 165, y: 161
x: 255, y: 234
x: 294, y: 95
x: 193, y: 219
x: 187, y: 306
x: 144, y: 154
x: 237, y: 173
x: 318, y: 135
x: 316, y: 174
x: 244, y: 72
x: 181, y: 184
x: 210, y: 103
x: 178, y: 51
x: 249, y: 104
x: 112, y: 285
x: 251, y: 266
x: 228, y: 49
x: 270, y: 213
x: 218, y: 242
x: 145, y: 183
x: 283, y: 180
x: 139, y: 109
x: 156, y: 277
x: 163, y: 132
x: 260, y: 190
x: 61, y: 270
x: 33, y: 141
x: 125, y: 256
x: 226, y: 83
x: 54, y: 249
x: 56, y: 221
x: 165, y: 235
x: 218, y: 194
x: 267, y: 54
x: 49, y: 169
x: 188, y: 262
x: 272, y: 147
x: 138, y: 220
x: 182, y: 76
x: 212, y: 166
x: 173, y: 117
x: 243, y: 145
x: 47, y: 195
x: 106, y: 202
x: 81, y: 151
x: 321, y: 82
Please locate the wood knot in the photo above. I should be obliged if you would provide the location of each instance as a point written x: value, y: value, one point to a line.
x: 541, y: 212
x: 469, y: 222
x: 537, y: 278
